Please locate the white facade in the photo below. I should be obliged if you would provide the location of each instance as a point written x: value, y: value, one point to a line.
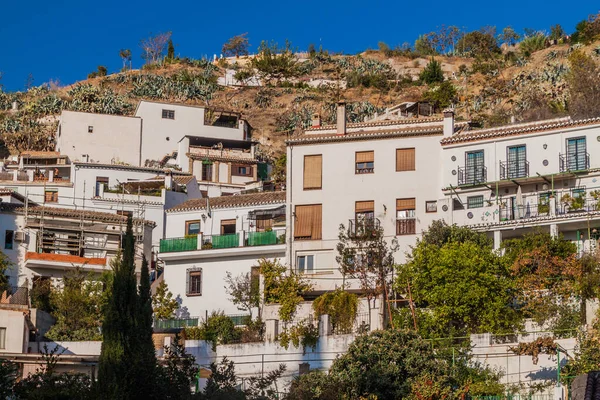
x: 212, y: 243
x: 100, y: 138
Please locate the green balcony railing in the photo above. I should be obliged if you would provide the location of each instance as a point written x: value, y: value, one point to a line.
x: 262, y: 238
x: 225, y: 241
x: 179, y: 244
x: 175, y: 323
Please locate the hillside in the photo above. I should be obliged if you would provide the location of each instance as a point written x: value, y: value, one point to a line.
x: 488, y: 91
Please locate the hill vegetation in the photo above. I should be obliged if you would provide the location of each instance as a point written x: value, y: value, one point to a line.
x: 489, y: 76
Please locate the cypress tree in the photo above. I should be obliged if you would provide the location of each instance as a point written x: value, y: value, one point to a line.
x: 171, y: 51
x: 119, y: 331
x: 145, y: 368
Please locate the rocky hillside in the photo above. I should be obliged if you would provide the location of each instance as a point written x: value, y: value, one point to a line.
x: 490, y: 91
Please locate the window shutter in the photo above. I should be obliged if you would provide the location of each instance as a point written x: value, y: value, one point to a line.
x: 317, y: 224
x: 308, y: 224
x: 313, y: 172
x: 405, y: 204
x: 405, y: 159
x: 365, y: 206
x: 365, y: 156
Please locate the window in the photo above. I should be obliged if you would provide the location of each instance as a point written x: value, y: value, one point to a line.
x: 263, y: 225
x: 9, y: 237
x: 101, y: 181
x: 405, y: 159
x: 90, y: 129
x: 475, y: 201
x: 431, y: 206
x: 194, y: 282
x: 313, y: 172
x: 308, y: 222
x: 168, y: 114
x: 578, y: 193
x: 405, y: 217
x: 364, y: 210
x: 207, y: 171
x: 306, y: 264
x: 51, y: 196
x: 577, y: 159
x: 365, y: 161
x: 475, y: 168
x: 192, y: 227
x: 2, y: 338
x: 457, y: 205
x: 517, y: 162
x: 228, y: 227
x: 241, y: 170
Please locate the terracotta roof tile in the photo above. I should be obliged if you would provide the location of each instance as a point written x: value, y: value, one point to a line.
x: 232, y: 201
x: 367, y: 135
x: 41, y: 154
x: 403, y: 121
x: 246, y: 160
x: 520, y: 129
x: 66, y: 258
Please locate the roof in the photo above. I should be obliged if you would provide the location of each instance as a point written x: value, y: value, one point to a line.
x: 69, y: 213
x: 367, y: 135
x: 183, y: 180
x: 519, y: 129
x: 66, y: 258
x: 128, y: 167
x: 42, y: 154
x: 13, y: 193
x: 252, y: 199
x: 402, y: 121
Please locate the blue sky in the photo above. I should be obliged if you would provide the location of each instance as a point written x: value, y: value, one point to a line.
x: 64, y: 40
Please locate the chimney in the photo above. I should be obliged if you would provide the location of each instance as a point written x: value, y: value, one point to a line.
x: 341, y: 118
x: 316, y: 121
x: 448, y: 122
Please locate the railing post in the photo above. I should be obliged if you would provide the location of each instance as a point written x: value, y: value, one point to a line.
x: 242, y: 237
x: 199, y: 244
x: 15, y: 175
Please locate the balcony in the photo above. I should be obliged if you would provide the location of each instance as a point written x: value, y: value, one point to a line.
x: 173, y: 245
x: 175, y: 323
x: 513, y: 170
x: 574, y: 163
x: 536, y: 210
x: 264, y: 238
x: 406, y: 226
x: 363, y: 228
x: 220, y: 241
x: 471, y: 176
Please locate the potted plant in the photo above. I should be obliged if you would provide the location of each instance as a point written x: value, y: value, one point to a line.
x: 574, y: 203
x: 596, y: 196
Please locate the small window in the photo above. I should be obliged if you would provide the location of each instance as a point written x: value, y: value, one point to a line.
x: 405, y: 217
x: 9, y: 237
x: 365, y: 162
x: 207, y: 172
x: 475, y: 201
x: 313, y: 172
x: 457, y: 205
x: 241, y: 170
x: 2, y: 338
x: 192, y: 227
x: 168, y: 114
x: 364, y: 210
x: 90, y: 129
x: 51, y: 196
x: 431, y: 206
x: 306, y: 264
x: 308, y: 220
x: 405, y: 159
x: 194, y: 282
x: 101, y: 181
x: 228, y: 227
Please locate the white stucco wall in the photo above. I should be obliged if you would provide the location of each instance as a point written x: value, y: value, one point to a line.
x: 114, y: 138
x: 17, y: 335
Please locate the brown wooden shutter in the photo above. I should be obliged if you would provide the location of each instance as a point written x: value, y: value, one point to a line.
x: 405, y: 159
x: 313, y: 171
x: 309, y: 222
x: 405, y: 204
x: 365, y: 156
x: 365, y: 206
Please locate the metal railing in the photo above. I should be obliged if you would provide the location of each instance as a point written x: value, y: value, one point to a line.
x: 220, y: 241
x: 472, y: 176
x: 535, y: 210
x: 175, y: 323
x: 173, y: 245
x: 571, y: 162
x: 240, y: 319
x: 406, y: 226
x: 15, y: 295
x: 514, y: 169
x: 360, y: 228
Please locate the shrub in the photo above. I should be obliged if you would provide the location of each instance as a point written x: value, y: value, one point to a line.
x: 533, y: 43
x: 432, y: 73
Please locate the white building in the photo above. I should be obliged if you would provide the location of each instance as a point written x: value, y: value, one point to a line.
x: 208, y: 238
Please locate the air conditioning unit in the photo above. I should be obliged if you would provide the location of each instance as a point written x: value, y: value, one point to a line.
x: 20, y: 236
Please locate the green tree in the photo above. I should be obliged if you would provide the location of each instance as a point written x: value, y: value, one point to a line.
x: 176, y: 375
x: 441, y: 95
x: 584, y: 86
x: 5, y: 265
x: 244, y: 291
x: 283, y: 288
x: 432, y: 73
x: 556, y: 32
x: 236, y: 46
x: 163, y: 303
x: 125, y: 55
x: 275, y: 63
x: 170, y: 50
x: 8, y: 376
x: 116, y: 369
x: 424, y: 46
x: 509, y: 36
x: 480, y: 44
x: 78, y: 307
x: 222, y: 383
x: 465, y: 287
